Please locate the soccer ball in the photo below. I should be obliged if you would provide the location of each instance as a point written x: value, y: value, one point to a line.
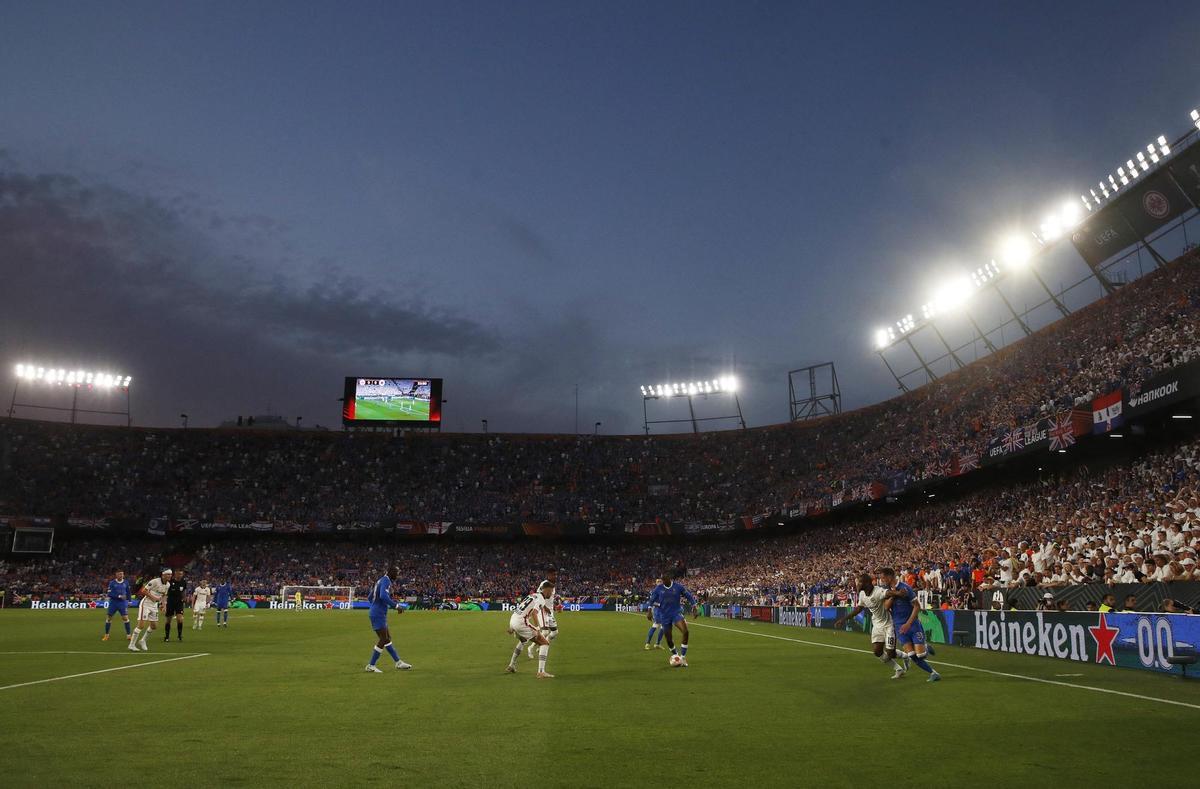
x: 676, y: 661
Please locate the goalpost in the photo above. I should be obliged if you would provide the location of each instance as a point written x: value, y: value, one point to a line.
x: 312, y: 597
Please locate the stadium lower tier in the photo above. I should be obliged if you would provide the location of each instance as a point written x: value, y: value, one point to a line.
x: 1128, y: 518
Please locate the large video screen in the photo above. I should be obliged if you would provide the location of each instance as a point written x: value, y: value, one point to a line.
x: 392, y: 401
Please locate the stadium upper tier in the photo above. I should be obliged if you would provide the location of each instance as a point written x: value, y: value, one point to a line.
x: 1146, y: 327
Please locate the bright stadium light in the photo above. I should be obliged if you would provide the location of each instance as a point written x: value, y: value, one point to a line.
x: 1069, y: 214
x: 76, y: 378
x: 1165, y: 149
x: 882, y: 338
x: 1196, y: 118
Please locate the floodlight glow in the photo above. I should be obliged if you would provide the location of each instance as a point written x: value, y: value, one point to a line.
x: 1163, y: 148
x: 60, y: 376
x: 1069, y: 214
x: 733, y: 384
x: 881, y: 338
x: 1051, y: 228
x: 1196, y: 118
x: 1133, y: 170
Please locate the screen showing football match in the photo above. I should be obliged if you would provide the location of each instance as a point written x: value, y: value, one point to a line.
x: 381, y: 400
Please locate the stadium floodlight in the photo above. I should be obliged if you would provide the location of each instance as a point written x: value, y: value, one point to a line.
x: 1196, y: 118
x: 1051, y: 227
x: 882, y: 338
x: 1163, y: 148
x: 1142, y: 163
x: 1133, y: 170
x: 75, y: 378
x: 1069, y: 215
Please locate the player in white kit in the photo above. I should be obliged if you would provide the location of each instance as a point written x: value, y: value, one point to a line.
x: 549, y: 622
x: 154, y: 595
x: 874, y: 599
x: 201, y: 597
x: 526, y: 624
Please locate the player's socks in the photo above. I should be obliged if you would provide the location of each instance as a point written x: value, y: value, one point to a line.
x: 649, y: 636
x: 179, y: 629
x: 660, y: 637
x: 107, y: 627
x: 683, y: 652
x: 375, y: 653
x: 392, y: 651
x: 921, y: 664
x: 136, y: 632
x: 899, y: 666
x: 543, y: 651
x: 127, y: 628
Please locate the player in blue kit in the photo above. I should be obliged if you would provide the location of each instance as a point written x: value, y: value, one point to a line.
x: 118, y: 603
x: 655, y: 624
x: 381, y: 602
x: 221, y: 602
x: 909, y: 632
x: 666, y: 599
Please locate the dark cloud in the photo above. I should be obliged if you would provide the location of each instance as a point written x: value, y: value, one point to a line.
x: 215, y: 316
x: 102, y: 275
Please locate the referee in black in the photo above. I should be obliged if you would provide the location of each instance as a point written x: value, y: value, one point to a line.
x: 175, y: 601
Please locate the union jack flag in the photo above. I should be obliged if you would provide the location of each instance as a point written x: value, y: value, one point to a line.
x: 1062, y: 433
x: 1014, y: 440
x: 967, y: 461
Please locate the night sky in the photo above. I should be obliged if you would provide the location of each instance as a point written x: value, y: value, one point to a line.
x: 238, y: 204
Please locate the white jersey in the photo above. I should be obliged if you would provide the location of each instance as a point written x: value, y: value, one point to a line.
x: 551, y: 604
x: 528, y: 605
x: 156, y: 587
x: 202, y: 595
x: 874, y: 603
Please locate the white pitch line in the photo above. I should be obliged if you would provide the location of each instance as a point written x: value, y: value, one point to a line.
x: 103, y: 671
x: 111, y: 653
x: 965, y: 668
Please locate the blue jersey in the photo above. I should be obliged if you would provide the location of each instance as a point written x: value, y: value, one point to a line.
x: 666, y: 599
x: 902, y: 607
x: 118, y: 590
x: 224, y: 593
x: 380, y: 598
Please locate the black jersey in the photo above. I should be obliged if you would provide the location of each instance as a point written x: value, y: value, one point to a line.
x: 176, y: 590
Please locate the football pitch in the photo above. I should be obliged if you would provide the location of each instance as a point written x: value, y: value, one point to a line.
x: 280, y: 699
x: 399, y: 409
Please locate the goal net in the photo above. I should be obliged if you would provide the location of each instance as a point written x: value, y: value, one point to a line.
x: 310, y: 598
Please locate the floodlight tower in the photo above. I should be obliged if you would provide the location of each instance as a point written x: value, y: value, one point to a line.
x: 725, y: 385
x: 85, y: 380
x: 822, y: 400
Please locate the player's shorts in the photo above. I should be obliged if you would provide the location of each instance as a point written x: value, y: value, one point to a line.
x: 148, y: 611
x: 669, y: 618
x: 883, y: 633
x: 221, y: 606
x: 378, y: 621
x: 522, y: 629
x: 199, y: 608
x: 915, y: 634
x: 174, y: 607
x: 118, y: 607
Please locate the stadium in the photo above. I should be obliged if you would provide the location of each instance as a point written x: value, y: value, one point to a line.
x: 995, y: 569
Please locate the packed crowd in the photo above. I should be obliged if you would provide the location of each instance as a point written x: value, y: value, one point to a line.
x: 1145, y: 327
x: 1134, y: 522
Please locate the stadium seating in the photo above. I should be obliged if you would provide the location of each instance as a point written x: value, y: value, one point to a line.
x: 1146, y: 327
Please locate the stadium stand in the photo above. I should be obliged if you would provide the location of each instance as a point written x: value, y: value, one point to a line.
x: 1121, y: 523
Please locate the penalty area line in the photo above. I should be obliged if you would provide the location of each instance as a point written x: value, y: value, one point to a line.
x: 1092, y: 688
x: 103, y: 671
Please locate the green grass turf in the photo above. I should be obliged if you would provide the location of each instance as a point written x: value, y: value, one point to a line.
x: 373, y: 409
x: 281, y: 700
